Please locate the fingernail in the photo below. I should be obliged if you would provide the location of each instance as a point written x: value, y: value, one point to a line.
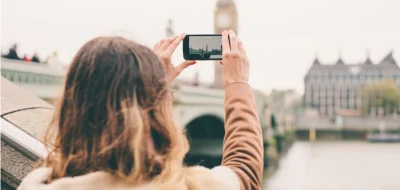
x: 183, y: 34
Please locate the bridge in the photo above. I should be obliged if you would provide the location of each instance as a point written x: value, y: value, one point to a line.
x: 26, y: 88
x: 39, y: 79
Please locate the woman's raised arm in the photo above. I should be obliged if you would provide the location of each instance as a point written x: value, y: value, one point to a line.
x: 243, y: 147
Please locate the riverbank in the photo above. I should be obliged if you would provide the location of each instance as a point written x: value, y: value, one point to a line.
x: 275, y: 149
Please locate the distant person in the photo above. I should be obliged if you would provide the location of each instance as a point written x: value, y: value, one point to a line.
x: 12, y: 54
x: 26, y: 58
x: 35, y: 58
x: 114, y: 129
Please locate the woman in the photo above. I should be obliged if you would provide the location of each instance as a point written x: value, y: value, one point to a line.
x: 114, y: 127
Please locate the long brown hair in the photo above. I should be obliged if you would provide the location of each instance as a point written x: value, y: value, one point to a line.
x: 115, y: 115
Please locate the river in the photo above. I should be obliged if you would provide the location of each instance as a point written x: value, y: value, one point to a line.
x: 338, y: 166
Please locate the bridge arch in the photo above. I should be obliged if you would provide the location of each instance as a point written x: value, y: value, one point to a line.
x: 205, y: 134
x: 206, y: 126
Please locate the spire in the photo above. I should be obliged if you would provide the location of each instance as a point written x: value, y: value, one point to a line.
x: 316, y: 60
x: 368, y: 60
x: 389, y: 60
x: 340, y: 61
x: 169, y: 30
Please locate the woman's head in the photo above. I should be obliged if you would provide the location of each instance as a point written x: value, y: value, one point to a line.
x: 115, y: 114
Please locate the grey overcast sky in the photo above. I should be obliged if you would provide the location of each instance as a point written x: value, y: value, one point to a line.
x: 198, y: 42
x: 281, y: 37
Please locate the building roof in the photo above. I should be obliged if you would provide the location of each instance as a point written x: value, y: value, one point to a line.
x: 340, y: 61
x: 316, y: 61
x: 387, y: 63
x: 388, y: 60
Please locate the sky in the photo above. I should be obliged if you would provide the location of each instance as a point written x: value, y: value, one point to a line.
x: 281, y: 37
x: 212, y: 42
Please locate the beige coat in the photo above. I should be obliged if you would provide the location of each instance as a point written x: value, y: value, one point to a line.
x: 242, y: 162
x: 226, y: 179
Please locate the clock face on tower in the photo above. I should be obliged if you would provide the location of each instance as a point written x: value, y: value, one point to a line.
x: 224, y: 20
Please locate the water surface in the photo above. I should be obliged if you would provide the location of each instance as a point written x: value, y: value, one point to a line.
x: 338, y: 166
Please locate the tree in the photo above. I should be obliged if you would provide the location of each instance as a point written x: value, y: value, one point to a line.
x: 383, y: 94
x: 274, y: 124
x: 296, y: 105
x: 276, y: 99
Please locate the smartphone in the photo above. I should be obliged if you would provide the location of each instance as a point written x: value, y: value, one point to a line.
x: 202, y: 47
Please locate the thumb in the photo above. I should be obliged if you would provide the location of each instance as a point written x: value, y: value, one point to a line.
x: 184, y: 65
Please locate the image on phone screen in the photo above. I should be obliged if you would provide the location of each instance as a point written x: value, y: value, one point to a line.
x: 203, y: 47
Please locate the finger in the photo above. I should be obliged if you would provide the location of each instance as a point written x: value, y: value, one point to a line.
x: 172, y: 47
x: 241, y: 48
x: 183, y: 66
x: 234, y: 41
x: 245, y: 55
x: 166, y: 43
x: 157, y: 45
x: 161, y: 43
x: 225, y: 42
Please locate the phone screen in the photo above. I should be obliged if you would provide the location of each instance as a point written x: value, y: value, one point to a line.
x: 202, y: 47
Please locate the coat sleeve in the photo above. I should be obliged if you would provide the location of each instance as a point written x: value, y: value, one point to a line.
x: 243, y: 145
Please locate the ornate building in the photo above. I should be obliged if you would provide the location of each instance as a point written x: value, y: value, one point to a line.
x: 335, y: 88
x: 225, y: 19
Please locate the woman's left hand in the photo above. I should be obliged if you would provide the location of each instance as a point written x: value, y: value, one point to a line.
x: 164, y: 49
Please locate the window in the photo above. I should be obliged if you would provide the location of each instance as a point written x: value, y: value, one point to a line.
x: 333, y: 98
x: 355, y: 98
x: 312, y: 96
x: 319, y: 95
x: 326, y: 99
x: 348, y: 97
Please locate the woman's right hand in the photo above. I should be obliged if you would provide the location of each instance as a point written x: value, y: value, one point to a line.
x: 235, y: 61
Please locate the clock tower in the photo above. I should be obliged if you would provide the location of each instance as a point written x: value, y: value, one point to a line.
x: 225, y: 19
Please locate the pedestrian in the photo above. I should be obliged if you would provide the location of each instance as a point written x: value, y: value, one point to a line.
x: 113, y: 127
x: 35, y: 58
x: 12, y: 53
x: 26, y: 58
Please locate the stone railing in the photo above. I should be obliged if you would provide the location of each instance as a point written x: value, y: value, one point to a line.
x: 40, y: 79
x: 364, y: 123
x: 30, y: 73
